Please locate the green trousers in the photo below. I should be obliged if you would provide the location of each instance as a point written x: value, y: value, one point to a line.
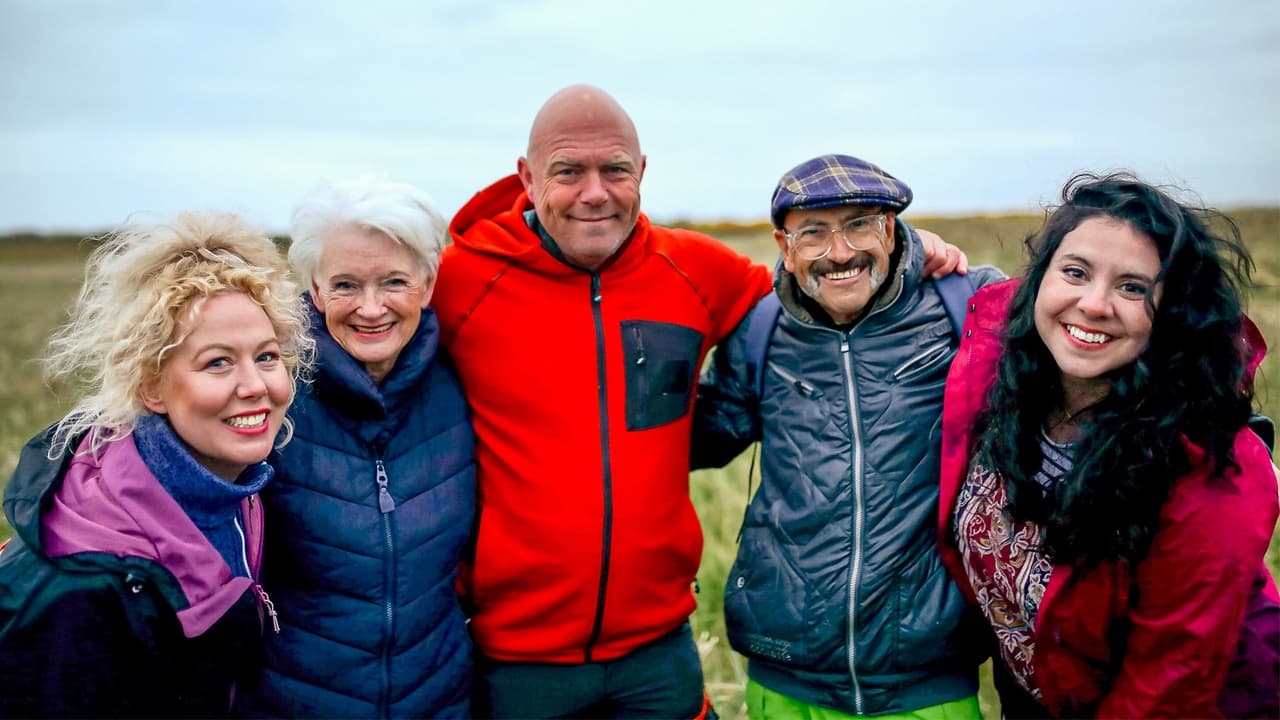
x: 765, y: 704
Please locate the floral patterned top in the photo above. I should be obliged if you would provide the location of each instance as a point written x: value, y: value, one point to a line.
x: 1002, y: 558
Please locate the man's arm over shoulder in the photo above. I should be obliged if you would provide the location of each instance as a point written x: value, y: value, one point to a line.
x: 942, y: 258
x: 726, y: 415
x: 729, y: 282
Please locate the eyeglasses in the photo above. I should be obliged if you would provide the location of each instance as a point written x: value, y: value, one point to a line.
x: 860, y: 233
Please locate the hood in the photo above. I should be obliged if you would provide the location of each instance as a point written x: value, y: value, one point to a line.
x: 493, y: 223
x: 35, y: 478
x: 905, y: 267
x: 109, y: 513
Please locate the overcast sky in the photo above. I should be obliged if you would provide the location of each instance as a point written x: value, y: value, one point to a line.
x: 112, y: 107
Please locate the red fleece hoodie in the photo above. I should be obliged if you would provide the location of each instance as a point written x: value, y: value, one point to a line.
x: 581, y: 386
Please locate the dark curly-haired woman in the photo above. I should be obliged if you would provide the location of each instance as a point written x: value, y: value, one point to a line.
x: 1103, y: 500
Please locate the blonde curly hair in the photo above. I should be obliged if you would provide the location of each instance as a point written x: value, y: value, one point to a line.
x: 140, y: 284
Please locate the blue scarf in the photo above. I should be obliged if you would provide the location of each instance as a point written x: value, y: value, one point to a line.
x: 212, y: 503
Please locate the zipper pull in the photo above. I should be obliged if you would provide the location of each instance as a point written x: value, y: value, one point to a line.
x: 844, y: 343
x: 805, y: 388
x: 386, y: 503
x: 268, y: 606
x: 595, y: 288
x: 639, y: 346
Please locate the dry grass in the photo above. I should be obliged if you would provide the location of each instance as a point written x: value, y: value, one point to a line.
x: 39, y: 278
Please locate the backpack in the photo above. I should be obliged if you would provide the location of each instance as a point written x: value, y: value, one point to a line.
x: 954, y: 290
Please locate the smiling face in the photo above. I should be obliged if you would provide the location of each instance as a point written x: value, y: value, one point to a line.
x: 844, y: 281
x: 224, y: 388
x: 1091, y: 311
x: 371, y: 291
x: 582, y: 173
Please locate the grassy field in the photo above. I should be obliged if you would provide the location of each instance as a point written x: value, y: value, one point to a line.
x: 39, y: 278
x: 38, y: 282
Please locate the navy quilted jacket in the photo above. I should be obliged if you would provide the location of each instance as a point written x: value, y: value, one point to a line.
x: 837, y: 595
x: 372, y: 503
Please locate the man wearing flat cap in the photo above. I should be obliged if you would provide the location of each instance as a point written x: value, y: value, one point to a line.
x: 838, y: 597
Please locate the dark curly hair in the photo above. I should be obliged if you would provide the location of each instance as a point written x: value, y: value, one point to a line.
x: 1189, y: 381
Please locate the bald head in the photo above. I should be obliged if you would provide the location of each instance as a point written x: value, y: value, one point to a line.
x: 582, y: 173
x: 580, y: 109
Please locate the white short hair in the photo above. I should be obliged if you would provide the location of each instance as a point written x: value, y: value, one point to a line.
x: 402, y: 212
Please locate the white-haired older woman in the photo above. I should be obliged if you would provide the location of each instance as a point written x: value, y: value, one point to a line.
x: 375, y: 496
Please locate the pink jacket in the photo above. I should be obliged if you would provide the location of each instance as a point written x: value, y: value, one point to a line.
x: 1187, y: 601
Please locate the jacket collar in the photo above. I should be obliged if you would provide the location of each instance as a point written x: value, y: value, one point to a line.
x: 344, y: 380
x: 207, y: 499
x: 494, y: 223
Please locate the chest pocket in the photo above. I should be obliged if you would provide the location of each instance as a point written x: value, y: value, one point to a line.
x: 934, y: 347
x: 660, y: 362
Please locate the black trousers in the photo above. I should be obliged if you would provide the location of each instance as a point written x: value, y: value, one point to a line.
x: 660, y: 680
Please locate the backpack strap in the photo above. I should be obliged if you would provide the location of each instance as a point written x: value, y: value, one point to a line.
x: 760, y: 323
x: 955, y: 291
x: 1265, y: 428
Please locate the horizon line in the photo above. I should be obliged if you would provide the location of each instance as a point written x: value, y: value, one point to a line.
x: 726, y: 223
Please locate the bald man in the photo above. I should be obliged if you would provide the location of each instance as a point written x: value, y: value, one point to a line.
x: 578, y: 328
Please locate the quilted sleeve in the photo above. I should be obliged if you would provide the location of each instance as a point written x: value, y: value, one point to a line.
x: 726, y: 417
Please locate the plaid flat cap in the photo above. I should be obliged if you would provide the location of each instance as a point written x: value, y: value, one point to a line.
x: 831, y: 180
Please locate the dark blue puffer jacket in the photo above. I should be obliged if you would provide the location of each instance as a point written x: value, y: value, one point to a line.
x: 373, y: 501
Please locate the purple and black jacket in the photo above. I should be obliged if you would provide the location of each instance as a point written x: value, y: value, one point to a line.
x: 113, y: 602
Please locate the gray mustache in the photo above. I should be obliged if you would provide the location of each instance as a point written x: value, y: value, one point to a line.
x: 825, y: 266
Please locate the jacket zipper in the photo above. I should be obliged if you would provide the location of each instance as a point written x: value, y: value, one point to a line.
x: 268, y: 606
x: 264, y: 601
x: 640, y: 358
x: 921, y: 358
x: 855, y: 568
x: 642, y: 378
x: 386, y: 504
x: 859, y: 510
x: 244, y: 547
x: 801, y: 386
x: 606, y: 470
